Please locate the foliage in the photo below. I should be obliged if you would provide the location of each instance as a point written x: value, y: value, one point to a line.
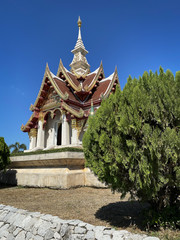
x: 133, y: 141
x: 168, y: 217
x: 65, y: 149
x: 4, y: 154
x: 17, y: 147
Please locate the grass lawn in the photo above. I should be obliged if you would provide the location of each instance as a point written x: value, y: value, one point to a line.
x: 92, y: 205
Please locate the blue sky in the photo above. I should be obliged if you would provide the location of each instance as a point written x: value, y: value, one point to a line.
x: 133, y: 35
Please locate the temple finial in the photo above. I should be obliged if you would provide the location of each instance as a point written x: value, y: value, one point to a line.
x: 79, y: 22
x: 79, y: 63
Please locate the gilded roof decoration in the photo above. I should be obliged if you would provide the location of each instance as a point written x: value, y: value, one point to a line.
x: 72, y: 91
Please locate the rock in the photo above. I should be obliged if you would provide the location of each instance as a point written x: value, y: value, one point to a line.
x: 47, y: 217
x: 11, y: 228
x: 21, y: 236
x: 58, y: 227
x: 98, y: 234
x: 3, y: 215
x: 10, y: 237
x: 57, y: 236
x: 1, y: 224
x: 17, y: 231
x: 49, y: 234
x: 43, y: 228
x: 108, y: 232
x: 137, y: 237
x: 89, y: 235
x: 150, y: 238
x: 38, y: 238
x: 29, y: 236
x: 63, y: 230
x: 89, y: 227
x: 80, y: 230
x: 17, y: 224
x: 18, y: 219
x: 3, y: 230
x: 122, y: 232
x: 106, y: 237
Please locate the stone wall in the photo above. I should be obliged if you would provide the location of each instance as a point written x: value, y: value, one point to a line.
x: 18, y: 224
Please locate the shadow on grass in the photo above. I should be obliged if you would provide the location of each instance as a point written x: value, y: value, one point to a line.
x: 123, y: 214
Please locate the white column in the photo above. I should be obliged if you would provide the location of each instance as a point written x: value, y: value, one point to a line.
x: 65, y: 131
x: 40, y: 135
x: 74, y: 138
x: 32, y: 138
x: 31, y: 142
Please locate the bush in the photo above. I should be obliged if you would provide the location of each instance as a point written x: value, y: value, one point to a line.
x: 4, y: 154
x: 168, y: 217
x: 133, y: 141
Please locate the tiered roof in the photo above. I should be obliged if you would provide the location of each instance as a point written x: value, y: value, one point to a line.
x: 71, y: 91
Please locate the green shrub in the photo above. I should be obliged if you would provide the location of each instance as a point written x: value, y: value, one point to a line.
x: 4, y: 154
x: 168, y: 217
x: 133, y: 141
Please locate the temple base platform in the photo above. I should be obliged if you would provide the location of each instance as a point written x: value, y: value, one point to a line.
x: 61, y: 170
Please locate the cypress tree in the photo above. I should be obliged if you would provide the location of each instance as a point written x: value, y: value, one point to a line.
x: 133, y: 141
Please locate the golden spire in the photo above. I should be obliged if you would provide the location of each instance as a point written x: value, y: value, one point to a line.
x: 79, y: 63
x: 79, y: 22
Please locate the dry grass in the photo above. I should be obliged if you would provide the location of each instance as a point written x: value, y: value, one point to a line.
x: 95, y: 206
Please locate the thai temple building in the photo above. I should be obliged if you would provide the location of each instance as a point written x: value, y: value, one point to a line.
x: 66, y: 100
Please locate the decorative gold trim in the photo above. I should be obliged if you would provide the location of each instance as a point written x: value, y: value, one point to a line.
x: 41, y: 117
x: 73, y: 123
x: 33, y: 132
x: 31, y: 108
x: 100, y: 70
x: 61, y: 69
x: 50, y: 106
x: 47, y: 74
x: 78, y: 125
x: 115, y: 77
x: 79, y: 114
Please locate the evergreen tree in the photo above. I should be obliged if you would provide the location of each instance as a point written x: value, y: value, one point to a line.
x: 17, y: 147
x: 133, y: 141
x: 4, y: 154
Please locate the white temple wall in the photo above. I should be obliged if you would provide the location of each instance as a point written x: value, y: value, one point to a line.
x: 40, y: 135
x: 49, y: 137
x: 33, y: 142
x: 65, y: 131
x: 51, y: 130
x: 74, y: 138
x: 70, y: 133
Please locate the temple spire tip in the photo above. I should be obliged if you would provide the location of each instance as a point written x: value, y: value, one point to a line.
x: 79, y: 63
x: 79, y: 22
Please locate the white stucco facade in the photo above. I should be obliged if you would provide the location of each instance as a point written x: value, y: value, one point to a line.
x: 56, y: 132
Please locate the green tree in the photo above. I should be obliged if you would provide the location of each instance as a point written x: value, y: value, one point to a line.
x: 133, y: 141
x: 17, y: 147
x: 4, y: 154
